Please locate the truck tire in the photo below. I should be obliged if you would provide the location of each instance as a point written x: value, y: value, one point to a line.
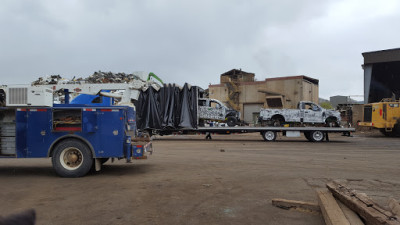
x: 317, y: 136
x: 72, y: 158
x: 269, y: 135
x: 231, y: 121
x: 277, y: 122
x: 331, y: 122
x: 394, y: 133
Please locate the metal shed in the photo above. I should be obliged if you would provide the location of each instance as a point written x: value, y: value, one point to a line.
x: 381, y: 75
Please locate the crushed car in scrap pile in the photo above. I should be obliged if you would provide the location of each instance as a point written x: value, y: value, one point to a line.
x: 98, y: 77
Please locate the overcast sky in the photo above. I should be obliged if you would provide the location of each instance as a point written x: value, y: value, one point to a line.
x: 196, y: 41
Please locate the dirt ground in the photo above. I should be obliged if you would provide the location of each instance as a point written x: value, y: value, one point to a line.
x: 188, y: 180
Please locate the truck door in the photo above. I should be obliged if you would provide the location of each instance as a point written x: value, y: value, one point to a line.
x: 384, y: 115
x: 38, y: 132
x: 218, y: 110
x: 312, y: 113
x: 211, y: 110
x: 112, y: 131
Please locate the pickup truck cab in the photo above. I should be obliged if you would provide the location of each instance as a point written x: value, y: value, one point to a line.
x: 213, y: 109
x: 306, y: 112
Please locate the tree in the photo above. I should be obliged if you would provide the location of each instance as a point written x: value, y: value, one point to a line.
x: 326, y: 105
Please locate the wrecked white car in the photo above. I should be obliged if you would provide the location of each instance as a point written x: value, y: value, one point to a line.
x: 307, y: 113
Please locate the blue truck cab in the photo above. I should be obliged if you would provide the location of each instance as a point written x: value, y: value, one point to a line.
x: 78, y: 137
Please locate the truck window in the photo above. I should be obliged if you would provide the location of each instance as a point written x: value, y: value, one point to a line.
x: 307, y: 106
x: 215, y: 105
x: 315, y: 107
x: 202, y: 103
x: 98, y: 99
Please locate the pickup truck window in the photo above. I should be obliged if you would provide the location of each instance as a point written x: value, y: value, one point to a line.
x: 312, y: 106
x: 215, y: 104
x: 315, y: 108
x: 202, y: 103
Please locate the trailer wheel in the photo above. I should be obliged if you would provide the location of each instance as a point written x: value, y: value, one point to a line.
x: 269, y: 135
x: 317, y: 136
x: 231, y: 121
x: 72, y: 158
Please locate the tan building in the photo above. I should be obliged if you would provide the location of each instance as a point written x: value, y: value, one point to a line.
x: 239, y: 90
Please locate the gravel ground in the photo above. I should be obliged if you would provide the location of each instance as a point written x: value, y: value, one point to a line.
x: 188, y: 180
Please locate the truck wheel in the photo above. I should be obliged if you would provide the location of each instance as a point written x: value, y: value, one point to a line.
x: 331, y: 122
x: 387, y: 133
x: 269, y: 135
x: 277, y: 122
x: 72, y: 158
x: 317, y: 136
x: 231, y: 121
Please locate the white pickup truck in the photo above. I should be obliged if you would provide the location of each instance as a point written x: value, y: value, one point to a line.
x: 307, y: 113
x: 212, y: 109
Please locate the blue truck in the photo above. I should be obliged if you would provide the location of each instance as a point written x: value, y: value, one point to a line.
x: 78, y: 137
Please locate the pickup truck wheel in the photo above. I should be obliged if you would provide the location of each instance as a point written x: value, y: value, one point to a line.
x: 269, y: 135
x: 72, y: 158
x: 331, y: 122
x: 277, y: 122
x: 231, y: 121
x: 317, y: 136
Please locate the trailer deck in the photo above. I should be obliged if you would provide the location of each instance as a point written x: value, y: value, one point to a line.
x: 248, y: 129
x: 313, y: 134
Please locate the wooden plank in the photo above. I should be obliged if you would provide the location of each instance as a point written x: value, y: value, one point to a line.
x: 368, y: 210
x: 331, y: 211
x: 394, y: 206
x: 296, y: 205
x: 351, y: 216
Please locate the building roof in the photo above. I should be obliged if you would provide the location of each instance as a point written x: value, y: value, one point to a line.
x: 236, y: 72
x: 312, y: 80
x: 388, y: 55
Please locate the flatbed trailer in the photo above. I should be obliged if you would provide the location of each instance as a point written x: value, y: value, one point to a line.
x: 174, y: 110
x: 313, y: 134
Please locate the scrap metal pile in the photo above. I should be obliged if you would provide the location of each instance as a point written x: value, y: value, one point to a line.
x: 96, y: 78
